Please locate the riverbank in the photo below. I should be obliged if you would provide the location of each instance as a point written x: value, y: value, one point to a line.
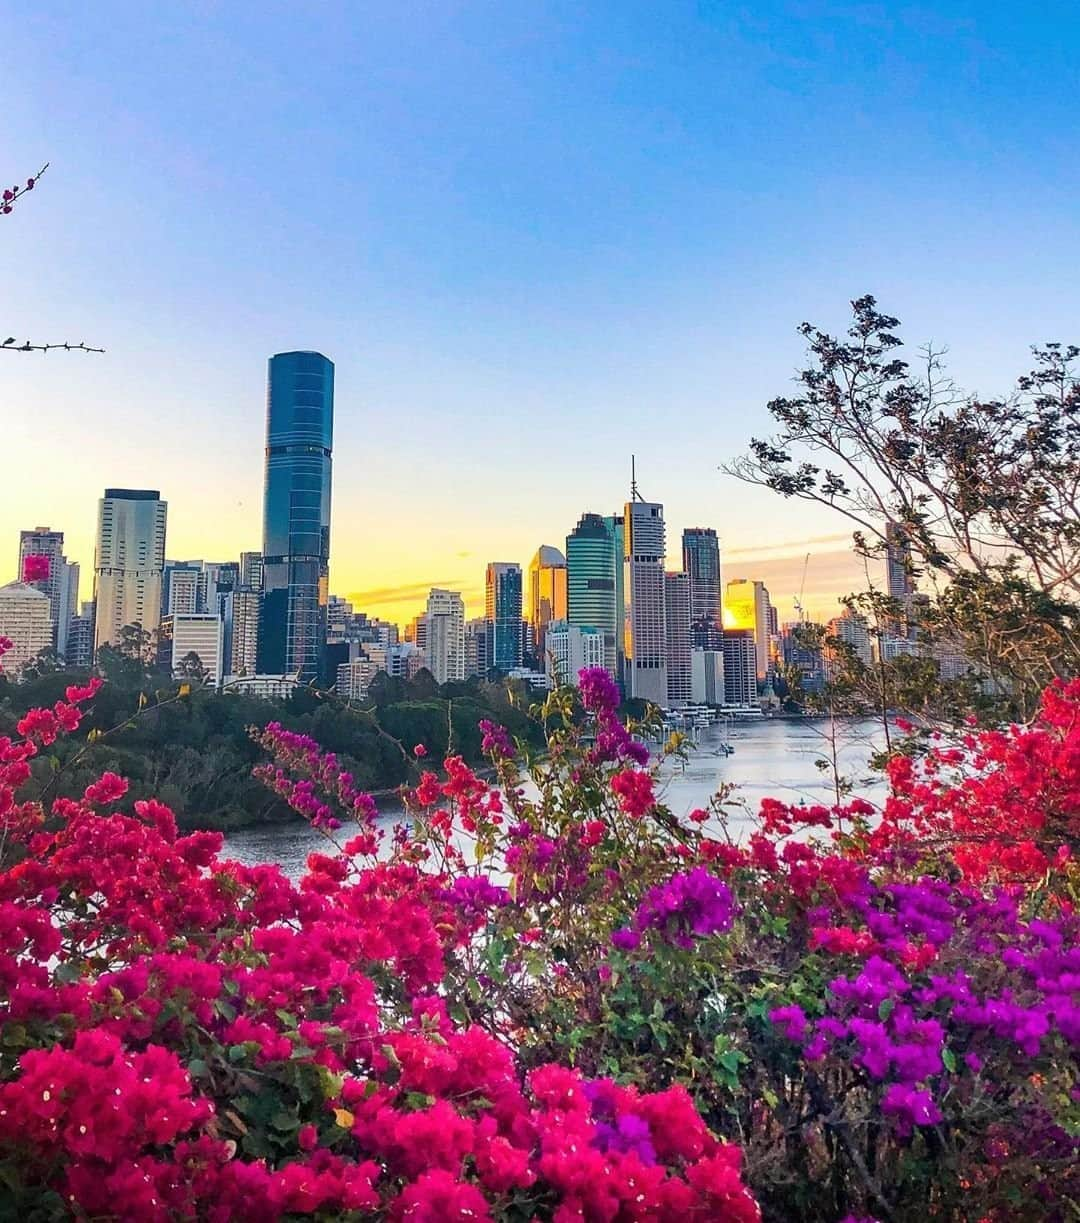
x: 771, y: 758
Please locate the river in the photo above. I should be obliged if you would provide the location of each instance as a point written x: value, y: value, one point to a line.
x: 771, y: 758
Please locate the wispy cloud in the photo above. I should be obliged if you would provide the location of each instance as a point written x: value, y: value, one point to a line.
x: 789, y: 547
x: 385, y: 595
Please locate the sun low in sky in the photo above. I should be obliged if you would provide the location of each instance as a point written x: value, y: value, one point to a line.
x: 534, y: 237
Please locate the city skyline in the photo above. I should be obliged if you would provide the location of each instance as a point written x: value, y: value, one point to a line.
x: 514, y: 228
x: 772, y: 564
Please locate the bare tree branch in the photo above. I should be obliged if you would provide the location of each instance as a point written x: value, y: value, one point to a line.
x: 11, y: 194
x: 7, y: 201
x: 10, y: 345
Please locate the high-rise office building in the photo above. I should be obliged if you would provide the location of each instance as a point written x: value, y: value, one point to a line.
x: 183, y: 588
x: 478, y: 646
x: 446, y: 636
x: 340, y: 617
x: 251, y: 569
x: 80, y: 641
x: 547, y: 594
x: 416, y: 632
x: 26, y: 621
x: 701, y: 563
x: 591, y: 586
x: 801, y: 657
x: 502, y: 590
x: 221, y: 577
x: 851, y: 629
x: 707, y: 677
x: 900, y: 578
x: 240, y: 622
x: 645, y: 624
x: 747, y: 606
x: 60, y: 582
x: 614, y: 525
x: 740, y: 668
x: 128, y: 562
x: 677, y: 603
x: 296, y: 514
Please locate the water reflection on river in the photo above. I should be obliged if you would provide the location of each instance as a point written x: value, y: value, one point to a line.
x: 771, y: 758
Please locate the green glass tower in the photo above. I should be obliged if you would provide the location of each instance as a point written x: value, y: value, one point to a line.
x: 593, y: 570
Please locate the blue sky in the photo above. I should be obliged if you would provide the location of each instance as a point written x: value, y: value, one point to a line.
x: 534, y: 237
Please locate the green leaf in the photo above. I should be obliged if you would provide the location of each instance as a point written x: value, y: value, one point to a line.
x: 197, y: 1068
x: 237, y: 1053
x: 885, y: 1009
x: 948, y: 1060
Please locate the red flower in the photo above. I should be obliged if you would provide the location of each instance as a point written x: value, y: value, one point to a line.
x: 35, y: 568
x: 634, y: 790
x: 107, y: 789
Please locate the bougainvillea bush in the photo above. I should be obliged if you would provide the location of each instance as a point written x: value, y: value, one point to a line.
x: 183, y: 1037
x: 881, y: 1009
x: 546, y: 996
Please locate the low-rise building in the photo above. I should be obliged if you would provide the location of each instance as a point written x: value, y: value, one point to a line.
x: 354, y: 678
x: 265, y: 687
x: 198, y: 635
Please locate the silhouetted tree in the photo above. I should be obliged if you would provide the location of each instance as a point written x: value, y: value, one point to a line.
x: 984, y: 493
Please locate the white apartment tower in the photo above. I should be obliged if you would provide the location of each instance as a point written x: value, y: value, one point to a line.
x: 445, y: 643
x: 240, y: 617
x: 60, y: 583
x: 645, y: 625
x: 26, y: 621
x: 128, y: 562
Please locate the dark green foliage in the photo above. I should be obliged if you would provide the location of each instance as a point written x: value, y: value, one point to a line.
x: 189, y: 746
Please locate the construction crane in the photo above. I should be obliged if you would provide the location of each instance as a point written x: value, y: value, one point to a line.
x: 802, y: 587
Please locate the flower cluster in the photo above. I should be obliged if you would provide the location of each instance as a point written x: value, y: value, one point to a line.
x: 186, y: 1037
x: 688, y: 906
x: 432, y: 1024
x: 35, y: 568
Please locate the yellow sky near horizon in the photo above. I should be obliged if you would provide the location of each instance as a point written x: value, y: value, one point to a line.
x: 831, y: 572
x: 388, y: 573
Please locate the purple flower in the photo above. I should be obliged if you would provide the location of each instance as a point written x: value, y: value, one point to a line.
x: 693, y: 904
x: 496, y: 741
x: 792, y: 1021
x: 628, y: 1133
x: 476, y: 893
x: 626, y: 939
x: 910, y: 1106
x: 599, y: 692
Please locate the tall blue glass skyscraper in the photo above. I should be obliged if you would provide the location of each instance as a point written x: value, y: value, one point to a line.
x: 502, y: 589
x: 296, y: 514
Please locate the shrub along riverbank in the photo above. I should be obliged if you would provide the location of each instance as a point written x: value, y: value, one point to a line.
x: 195, y: 753
x: 604, y: 1012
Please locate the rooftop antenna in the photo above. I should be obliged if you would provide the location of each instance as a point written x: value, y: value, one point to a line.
x: 634, y: 494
